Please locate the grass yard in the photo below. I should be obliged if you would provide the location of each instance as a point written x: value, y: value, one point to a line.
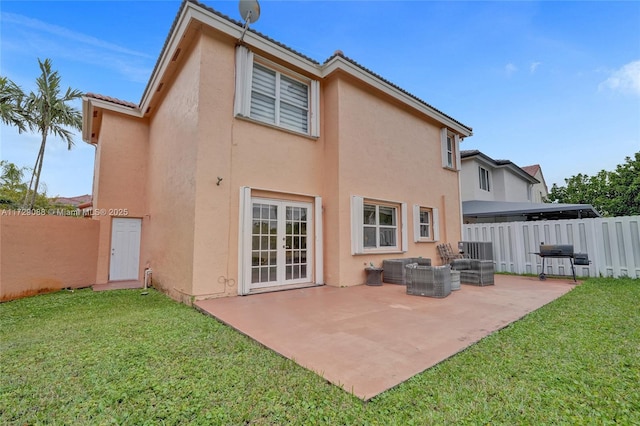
x: 120, y: 358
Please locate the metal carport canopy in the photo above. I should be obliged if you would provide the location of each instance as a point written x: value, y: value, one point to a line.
x: 478, y: 208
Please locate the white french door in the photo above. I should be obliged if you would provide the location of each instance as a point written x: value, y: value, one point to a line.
x: 281, y: 247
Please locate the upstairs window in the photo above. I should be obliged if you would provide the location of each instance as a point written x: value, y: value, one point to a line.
x: 484, y: 178
x: 450, y: 149
x: 269, y: 93
x: 278, y: 99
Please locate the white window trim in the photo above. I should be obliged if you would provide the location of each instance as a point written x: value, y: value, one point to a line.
x: 488, y: 178
x: 435, y: 224
x: 444, y: 132
x: 357, y: 226
x: 244, y: 77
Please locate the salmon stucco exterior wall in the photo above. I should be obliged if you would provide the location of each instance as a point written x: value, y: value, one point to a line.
x: 386, y: 153
x: 119, y: 181
x: 173, y: 168
x: 196, y: 169
x: 45, y: 253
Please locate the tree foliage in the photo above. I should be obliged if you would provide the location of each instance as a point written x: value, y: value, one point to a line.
x: 13, y: 189
x: 612, y: 193
x: 11, y: 98
x: 49, y: 114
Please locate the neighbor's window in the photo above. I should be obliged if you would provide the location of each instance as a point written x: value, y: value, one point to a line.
x: 483, y: 175
x: 380, y: 226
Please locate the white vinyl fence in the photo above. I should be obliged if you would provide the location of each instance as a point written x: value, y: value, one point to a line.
x: 612, y: 243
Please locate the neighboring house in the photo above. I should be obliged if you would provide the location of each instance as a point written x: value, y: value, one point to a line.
x: 484, y: 178
x: 248, y: 167
x: 500, y: 191
x: 62, y: 205
x: 72, y: 201
x: 540, y: 190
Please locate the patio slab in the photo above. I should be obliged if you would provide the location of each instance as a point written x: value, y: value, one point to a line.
x: 369, y: 339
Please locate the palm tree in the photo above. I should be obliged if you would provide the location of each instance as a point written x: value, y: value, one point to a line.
x: 48, y: 113
x: 11, y: 97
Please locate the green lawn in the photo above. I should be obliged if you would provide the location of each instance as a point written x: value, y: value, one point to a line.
x: 120, y: 358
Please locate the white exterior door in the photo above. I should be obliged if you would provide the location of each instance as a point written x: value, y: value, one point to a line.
x: 281, y: 246
x: 125, y: 249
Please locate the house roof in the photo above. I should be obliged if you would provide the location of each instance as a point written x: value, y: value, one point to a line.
x: 536, y: 171
x: 72, y: 201
x: 112, y: 100
x: 192, y: 11
x: 474, y: 153
x: 341, y: 54
x: 533, y: 211
x: 532, y: 170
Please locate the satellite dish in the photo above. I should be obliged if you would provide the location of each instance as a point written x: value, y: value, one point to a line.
x: 249, y: 11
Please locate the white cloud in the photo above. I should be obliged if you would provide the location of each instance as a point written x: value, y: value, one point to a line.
x: 534, y: 66
x: 625, y: 79
x: 59, y: 31
x: 41, y: 38
x: 510, y: 69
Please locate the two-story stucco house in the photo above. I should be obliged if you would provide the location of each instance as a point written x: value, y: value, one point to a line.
x: 500, y: 191
x: 248, y: 167
x: 486, y: 179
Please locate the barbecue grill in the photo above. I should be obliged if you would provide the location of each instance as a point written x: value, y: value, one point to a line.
x: 561, y: 251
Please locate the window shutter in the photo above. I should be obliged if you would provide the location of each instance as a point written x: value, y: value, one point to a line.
x: 443, y: 146
x: 416, y: 223
x: 319, y: 253
x: 244, y: 241
x: 405, y: 228
x: 435, y: 216
x: 457, y: 153
x: 315, y: 108
x: 244, y: 74
x: 357, y: 207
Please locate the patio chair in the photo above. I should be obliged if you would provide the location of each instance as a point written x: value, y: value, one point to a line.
x: 475, y: 272
x: 447, y: 254
x: 394, y: 271
x: 430, y: 281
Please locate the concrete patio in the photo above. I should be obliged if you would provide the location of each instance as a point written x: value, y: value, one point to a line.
x: 369, y: 339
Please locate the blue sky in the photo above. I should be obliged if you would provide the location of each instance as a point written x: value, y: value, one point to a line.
x: 549, y: 83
